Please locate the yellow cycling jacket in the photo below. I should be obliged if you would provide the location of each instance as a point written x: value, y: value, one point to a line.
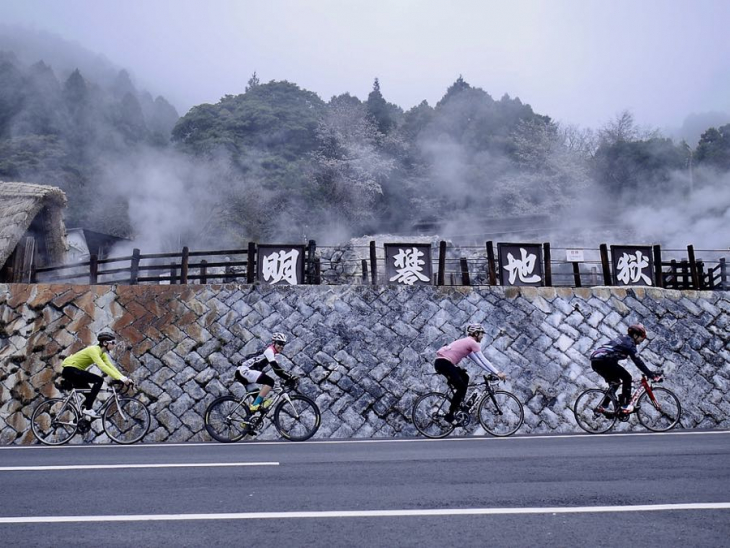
x: 93, y: 355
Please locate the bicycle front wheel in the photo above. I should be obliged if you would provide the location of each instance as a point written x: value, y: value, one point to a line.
x: 428, y: 415
x: 587, y: 413
x: 660, y: 412
x: 127, y: 422
x: 227, y: 419
x: 298, y: 419
x: 501, y: 413
x: 54, y: 421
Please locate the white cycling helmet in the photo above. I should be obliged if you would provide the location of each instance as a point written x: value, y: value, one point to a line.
x: 279, y: 338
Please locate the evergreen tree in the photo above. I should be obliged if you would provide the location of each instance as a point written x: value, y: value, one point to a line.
x: 380, y: 111
x: 713, y: 149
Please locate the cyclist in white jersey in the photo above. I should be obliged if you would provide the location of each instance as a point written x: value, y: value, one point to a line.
x: 251, y: 370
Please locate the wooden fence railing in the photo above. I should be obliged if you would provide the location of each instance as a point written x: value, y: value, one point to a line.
x: 451, y: 267
x: 220, y: 266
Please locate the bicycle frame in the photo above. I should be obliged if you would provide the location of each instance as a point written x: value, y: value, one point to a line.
x: 74, y: 399
x: 474, y: 402
x: 279, y: 394
x: 643, y: 386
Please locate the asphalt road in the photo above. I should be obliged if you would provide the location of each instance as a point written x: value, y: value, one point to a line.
x: 643, y: 490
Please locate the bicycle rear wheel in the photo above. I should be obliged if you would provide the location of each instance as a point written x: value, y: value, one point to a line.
x: 660, y: 413
x: 298, y: 419
x: 428, y: 415
x: 588, y: 417
x: 127, y: 423
x: 227, y: 419
x: 54, y: 421
x: 501, y: 414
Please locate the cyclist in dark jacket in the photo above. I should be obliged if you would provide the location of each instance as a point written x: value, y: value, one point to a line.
x: 604, y: 361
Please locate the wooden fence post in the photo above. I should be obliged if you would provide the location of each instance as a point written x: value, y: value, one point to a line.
x: 576, y: 274
x: 311, y: 249
x: 491, y: 265
x: 658, y: 277
x: 203, y: 272
x: 440, y: 280
x: 693, y: 267
x: 723, y: 275
x: 373, y: 264
x: 134, y: 267
x: 251, y: 263
x: 317, y: 271
x: 93, y: 269
x: 701, y: 275
x: 184, y: 265
x: 548, y: 264
x: 605, y: 264
x: 364, y: 272
x: 465, y: 272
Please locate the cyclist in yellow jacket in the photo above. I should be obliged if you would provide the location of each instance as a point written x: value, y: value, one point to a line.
x: 74, y: 369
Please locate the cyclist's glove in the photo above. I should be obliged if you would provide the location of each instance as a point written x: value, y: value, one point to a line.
x: 291, y: 382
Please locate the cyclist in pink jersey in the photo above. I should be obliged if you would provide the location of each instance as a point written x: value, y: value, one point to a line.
x: 448, y: 358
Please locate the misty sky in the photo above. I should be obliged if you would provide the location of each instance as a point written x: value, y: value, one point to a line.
x: 579, y: 61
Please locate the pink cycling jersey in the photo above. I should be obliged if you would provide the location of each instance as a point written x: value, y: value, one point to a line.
x: 458, y: 350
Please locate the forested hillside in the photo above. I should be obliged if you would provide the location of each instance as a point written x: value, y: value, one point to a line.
x: 276, y: 161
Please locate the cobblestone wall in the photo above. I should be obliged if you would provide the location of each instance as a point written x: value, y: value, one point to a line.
x: 365, y: 353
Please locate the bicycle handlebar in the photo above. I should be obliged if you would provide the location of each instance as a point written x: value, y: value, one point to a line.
x: 659, y: 376
x: 121, y: 386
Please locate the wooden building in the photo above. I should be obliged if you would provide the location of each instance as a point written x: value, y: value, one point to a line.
x: 32, y: 231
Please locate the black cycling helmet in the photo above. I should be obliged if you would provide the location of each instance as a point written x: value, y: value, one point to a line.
x: 637, y: 329
x: 474, y: 329
x: 105, y: 337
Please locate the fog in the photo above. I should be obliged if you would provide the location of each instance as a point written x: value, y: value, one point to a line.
x: 580, y: 61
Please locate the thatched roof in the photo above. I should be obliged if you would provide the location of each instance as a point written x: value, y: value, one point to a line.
x: 19, y: 205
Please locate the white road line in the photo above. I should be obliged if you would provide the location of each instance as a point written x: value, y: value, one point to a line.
x: 526, y: 437
x: 122, y: 466
x: 373, y: 513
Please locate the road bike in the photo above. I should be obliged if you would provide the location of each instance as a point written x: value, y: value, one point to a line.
x: 56, y: 420
x: 658, y: 409
x: 499, y: 412
x: 295, y: 416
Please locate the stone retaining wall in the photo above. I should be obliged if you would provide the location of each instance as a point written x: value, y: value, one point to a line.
x: 365, y: 353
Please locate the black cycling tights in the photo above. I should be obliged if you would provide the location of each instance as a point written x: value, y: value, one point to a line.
x: 457, y: 377
x: 613, y: 372
x: 82, y: 379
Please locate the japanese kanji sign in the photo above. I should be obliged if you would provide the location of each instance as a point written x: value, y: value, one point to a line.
x: 632, y: 265
x: 520, y: 264
x: 280, y: 264
x: 408, y: 264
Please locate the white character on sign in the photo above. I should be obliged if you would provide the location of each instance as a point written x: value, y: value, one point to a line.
x: 630, y: 268
x: 522, y: 267
x: 409, y: 266
x: 281, y: 265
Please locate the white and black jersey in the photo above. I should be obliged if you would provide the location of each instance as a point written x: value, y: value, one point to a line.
x: 253, y: 365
